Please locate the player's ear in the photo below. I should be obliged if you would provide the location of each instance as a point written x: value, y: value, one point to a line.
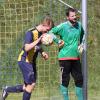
x: 42, y: 25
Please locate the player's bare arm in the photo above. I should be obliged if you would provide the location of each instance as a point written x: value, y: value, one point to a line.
x: 32, y: 45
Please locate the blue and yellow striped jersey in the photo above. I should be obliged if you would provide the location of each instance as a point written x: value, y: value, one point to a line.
x: 31, y: 55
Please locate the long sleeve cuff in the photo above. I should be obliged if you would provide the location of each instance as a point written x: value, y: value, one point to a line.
x: 56, y: 40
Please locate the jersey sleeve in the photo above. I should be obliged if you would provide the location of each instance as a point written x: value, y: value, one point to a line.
x: 56, y: 31
x: 28, y: 37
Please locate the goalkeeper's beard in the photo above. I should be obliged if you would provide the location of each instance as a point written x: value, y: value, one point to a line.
x: 74, y: 21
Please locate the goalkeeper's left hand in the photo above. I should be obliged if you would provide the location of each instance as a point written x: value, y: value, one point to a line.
x: 80, y: 48
x: 45, y: 55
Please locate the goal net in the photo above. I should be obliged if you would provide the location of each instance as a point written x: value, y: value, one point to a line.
x: 16, y: 17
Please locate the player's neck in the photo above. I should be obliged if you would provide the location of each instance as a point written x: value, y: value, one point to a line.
x: 38, y: 28
x: 73, y: 23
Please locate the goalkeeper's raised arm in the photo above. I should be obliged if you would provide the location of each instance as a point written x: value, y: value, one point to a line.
x: 57, y: 40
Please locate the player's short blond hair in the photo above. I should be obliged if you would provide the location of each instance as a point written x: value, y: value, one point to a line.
x: 48, y: 21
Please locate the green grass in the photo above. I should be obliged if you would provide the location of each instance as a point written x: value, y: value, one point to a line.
x: 56, y: 96
x: 52, y: 94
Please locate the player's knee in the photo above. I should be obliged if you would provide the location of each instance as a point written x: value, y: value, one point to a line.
x: 79, y: 83
x: 65, y: 81
x: 29, y: 88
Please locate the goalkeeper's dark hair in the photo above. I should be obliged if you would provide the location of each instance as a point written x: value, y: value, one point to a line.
x: 70, y: 10
x: 48, y: 21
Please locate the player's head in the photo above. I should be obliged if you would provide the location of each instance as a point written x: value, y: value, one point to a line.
x: 71, y: 15
x: 47, y: 24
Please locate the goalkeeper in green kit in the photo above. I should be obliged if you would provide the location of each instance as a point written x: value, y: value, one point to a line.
x: 71, y: 32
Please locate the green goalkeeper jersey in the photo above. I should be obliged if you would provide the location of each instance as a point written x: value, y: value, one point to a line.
x: 72, y: 37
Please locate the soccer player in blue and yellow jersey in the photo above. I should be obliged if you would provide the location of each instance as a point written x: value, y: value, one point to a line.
x: 71, y: 32
x: 27, y: 59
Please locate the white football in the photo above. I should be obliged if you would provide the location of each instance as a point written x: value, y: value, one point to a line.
x: 47, y: 39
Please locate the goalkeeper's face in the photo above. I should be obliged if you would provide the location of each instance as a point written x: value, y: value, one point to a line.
x: 72, y: 17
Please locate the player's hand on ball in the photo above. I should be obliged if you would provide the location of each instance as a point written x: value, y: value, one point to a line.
x: 80, y: 48
x: 45, y: 55
x: 61, y: 44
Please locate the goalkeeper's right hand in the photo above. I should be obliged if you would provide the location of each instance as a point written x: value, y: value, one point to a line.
x: 60, y: 43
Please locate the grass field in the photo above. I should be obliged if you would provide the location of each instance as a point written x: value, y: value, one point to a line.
x: 54, y: 94
x: 18, y: 96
